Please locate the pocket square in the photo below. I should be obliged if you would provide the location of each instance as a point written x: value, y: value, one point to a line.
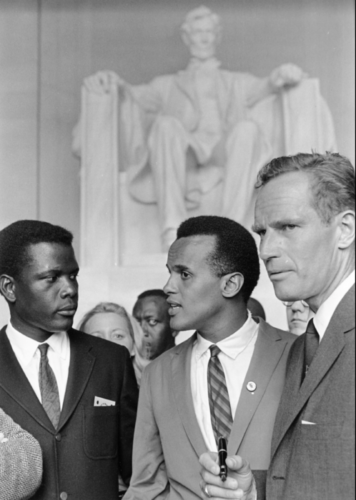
x: 305, y: 422
x: 103, y: 402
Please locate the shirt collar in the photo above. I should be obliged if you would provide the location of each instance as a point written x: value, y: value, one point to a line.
x: 326, y: 310
x: 27, y: 347
x: 232, y: 345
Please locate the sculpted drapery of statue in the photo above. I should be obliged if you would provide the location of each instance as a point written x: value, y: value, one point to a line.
x: 205, y: 127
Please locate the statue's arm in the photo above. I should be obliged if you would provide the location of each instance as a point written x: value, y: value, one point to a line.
x: 286, y: 75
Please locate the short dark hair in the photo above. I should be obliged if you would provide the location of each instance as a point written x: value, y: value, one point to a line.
x: 17, y: 237
x: 332, y: 175
x: 155, y: 292
x: 235, y: 249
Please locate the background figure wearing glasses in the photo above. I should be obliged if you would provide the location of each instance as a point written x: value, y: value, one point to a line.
x: 298, y: 316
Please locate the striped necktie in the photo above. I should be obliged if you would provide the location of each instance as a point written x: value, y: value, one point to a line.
x: 311, y: 345
x: 48, y: 387
x: 219, y: 402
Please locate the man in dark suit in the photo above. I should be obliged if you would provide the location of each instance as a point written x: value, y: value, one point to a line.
x: 76, y: 394
x: 20, y: 461
x: 305, y: 216
x: 214, y: 267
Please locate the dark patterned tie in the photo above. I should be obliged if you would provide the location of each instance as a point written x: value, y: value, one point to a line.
x: 48, y: 387
x: 220, y: 408
x: 311, y: 345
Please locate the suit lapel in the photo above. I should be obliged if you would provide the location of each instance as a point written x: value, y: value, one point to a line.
x: 267, y: 353
x: 80, y: 368
x: 331, y: 346
x: 14, y: 381
x: 181, y: 383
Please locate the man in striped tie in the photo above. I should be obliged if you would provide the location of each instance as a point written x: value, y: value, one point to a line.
x: 225, y: 381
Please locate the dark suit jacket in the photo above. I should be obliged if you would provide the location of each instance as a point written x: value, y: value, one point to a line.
x: 84, y: 455
x: 168, y: 440
x: 316, y: 462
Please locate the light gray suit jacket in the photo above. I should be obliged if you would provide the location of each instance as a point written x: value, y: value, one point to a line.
x: 168, y: 440
x: 317, y: 462
x: 20, y: 461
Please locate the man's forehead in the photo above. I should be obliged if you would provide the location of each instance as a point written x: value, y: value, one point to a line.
x: 186, y: 249
x: 48, y: 254
x: 151, y: 304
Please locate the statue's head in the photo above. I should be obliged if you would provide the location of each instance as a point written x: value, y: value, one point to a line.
x: 201, y: 32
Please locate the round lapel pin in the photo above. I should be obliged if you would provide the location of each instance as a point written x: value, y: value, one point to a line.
x: 251, y: 386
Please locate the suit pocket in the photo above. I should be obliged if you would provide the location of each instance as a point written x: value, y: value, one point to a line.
x: 321, y: 432
x: 101, y: 431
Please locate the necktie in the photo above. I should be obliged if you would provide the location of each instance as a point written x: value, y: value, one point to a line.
x: 311, y: 344
x: 48, y: 387
x: 219, y: 402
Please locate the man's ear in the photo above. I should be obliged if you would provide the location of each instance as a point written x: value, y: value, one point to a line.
x: 347, y: 229
x: 7, y: 287
x: 231, y: 284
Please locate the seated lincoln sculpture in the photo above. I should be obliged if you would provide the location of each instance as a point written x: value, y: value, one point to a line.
x: 204, y: 127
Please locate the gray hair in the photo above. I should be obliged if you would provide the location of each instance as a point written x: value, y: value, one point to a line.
x: 332, y: 180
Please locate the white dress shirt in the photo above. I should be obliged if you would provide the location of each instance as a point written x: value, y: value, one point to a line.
x: 235, y: 357
x: 326, y: 310
x: 28, y: 355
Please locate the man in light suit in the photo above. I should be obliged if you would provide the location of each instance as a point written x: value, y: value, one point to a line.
x: 20, y: 461
x: 305, y: 216
x: 76, y: 394
x: 214, y: 267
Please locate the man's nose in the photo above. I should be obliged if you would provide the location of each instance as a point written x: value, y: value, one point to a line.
x: 70, y: 288
x: 268, y: 246
x: 169, y: 287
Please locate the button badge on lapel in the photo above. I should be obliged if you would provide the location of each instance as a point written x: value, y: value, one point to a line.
x: 251, y: 387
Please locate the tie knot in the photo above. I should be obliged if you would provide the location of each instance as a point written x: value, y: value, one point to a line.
x: 43, y: 348
x: 214, y: 350
x: 311, y: 330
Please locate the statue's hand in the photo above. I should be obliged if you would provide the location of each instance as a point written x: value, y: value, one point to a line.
x: 286, y: 74
x: 102, y: 82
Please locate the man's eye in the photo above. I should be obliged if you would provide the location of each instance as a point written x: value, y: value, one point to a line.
x: 289, y: 227
x: 52, y: 279
x: 184, y: 275
x: 73, y: 277
x: 152, y: 322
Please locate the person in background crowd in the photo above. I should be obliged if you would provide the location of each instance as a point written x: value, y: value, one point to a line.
x: 76, y: 394
x: 298, y: 315
x: 109, y: 321
x: 151, y: 312
x: 20, y: 461
x: 213, y: 267
x: 256, y: 309
x: 305, y: 216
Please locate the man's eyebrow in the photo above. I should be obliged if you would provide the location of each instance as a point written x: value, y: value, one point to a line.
x: 180, y: 267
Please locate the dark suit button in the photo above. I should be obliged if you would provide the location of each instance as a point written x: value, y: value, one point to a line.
x: 281, y: 478
x: 59, y: 437
x: 63, y: 495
